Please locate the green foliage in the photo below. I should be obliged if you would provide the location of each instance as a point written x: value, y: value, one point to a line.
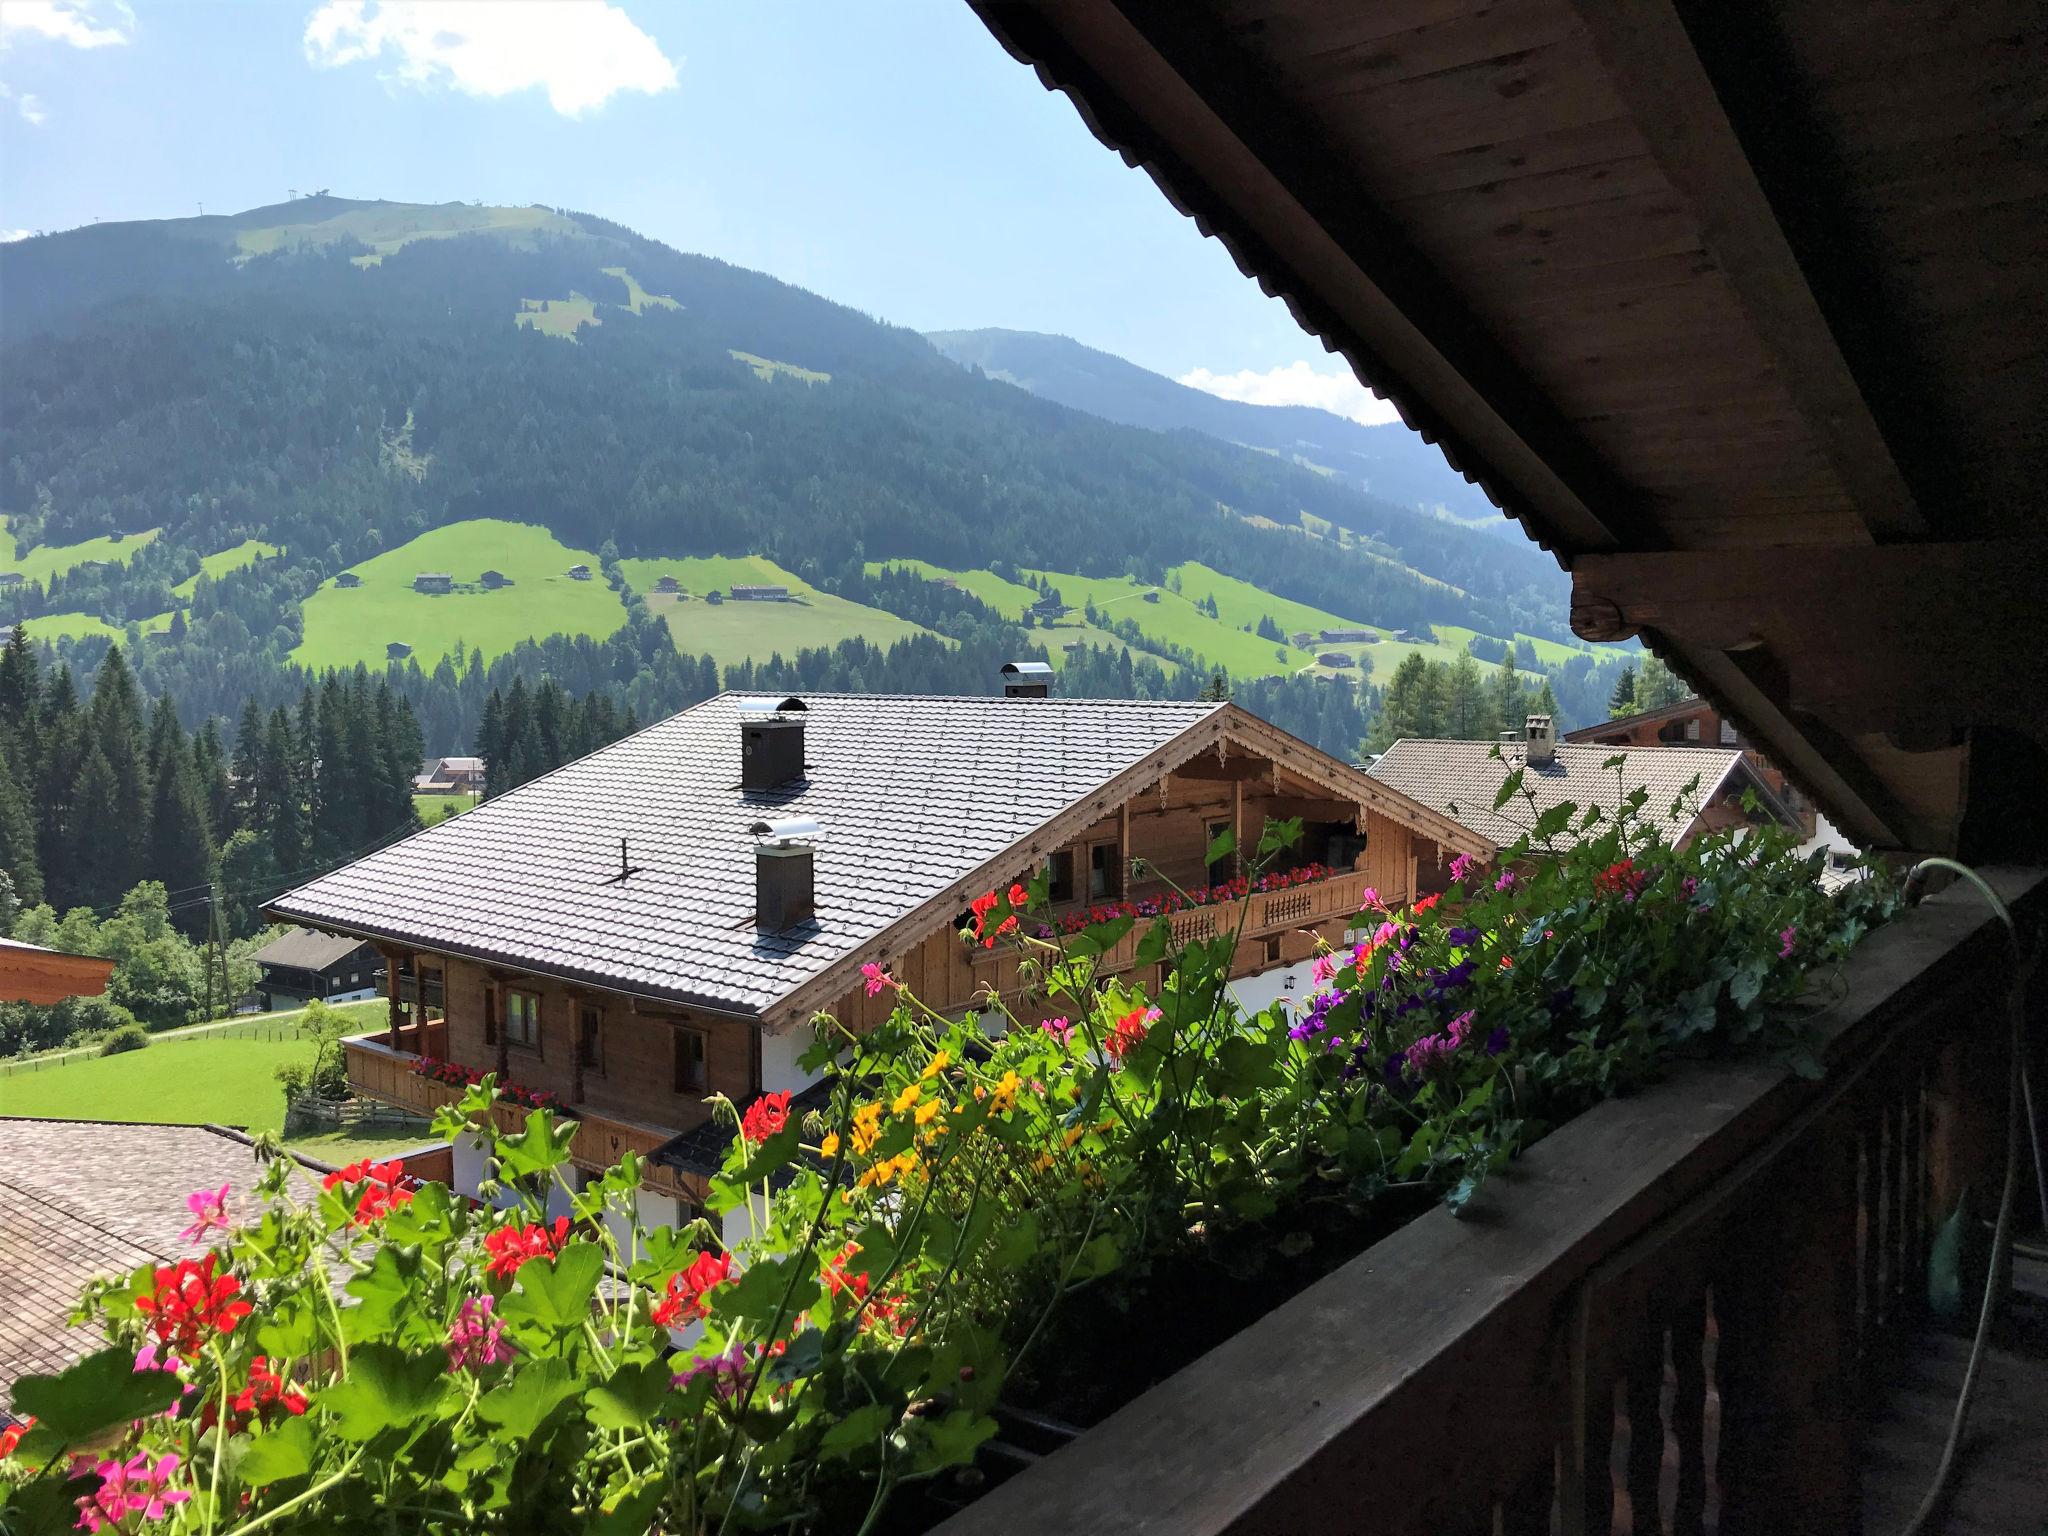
x: 129, y: 1037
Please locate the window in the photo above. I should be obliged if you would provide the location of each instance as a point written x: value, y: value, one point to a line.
x: 1059, y: 875
x: 588, y: 1021
x: 1221, y: 870
x: 1105, y: 872
x: 522, y: 1019
x: 690, y: 1073
x: 1692, y: 730
x: 1727, y: 733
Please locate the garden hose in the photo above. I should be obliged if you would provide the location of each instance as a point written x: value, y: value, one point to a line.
x: 2019, y: 1103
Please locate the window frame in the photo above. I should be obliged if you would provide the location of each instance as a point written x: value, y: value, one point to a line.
x: 1112, y: 871
x: 590, y: 1038
x: 678, y: 1054
x: 1059, y: 875
x: 533, y: 1018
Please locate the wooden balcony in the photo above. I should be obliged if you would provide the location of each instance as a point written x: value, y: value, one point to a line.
x: 1683, y: 1310
x: 377, y: 1071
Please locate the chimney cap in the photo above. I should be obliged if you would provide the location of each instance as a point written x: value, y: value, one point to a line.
x: 791, y: 705
x: 787, y: 830
x: 1032, y: 669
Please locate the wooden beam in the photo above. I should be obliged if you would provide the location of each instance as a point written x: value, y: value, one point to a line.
x: 1173, y: 90
x: 1655, y: 69
x: 30, y: 974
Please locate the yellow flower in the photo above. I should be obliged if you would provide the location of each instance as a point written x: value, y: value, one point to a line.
x: 867, y: 1127
x: 1074, y: 1134
x: 876, y: 1174
x: 1005, y: 1096
x: 938, y: 1064
x: 911, y: 1093
x: 928, y: 1110
x: 829, y: 1147
x: 1041, y: 1163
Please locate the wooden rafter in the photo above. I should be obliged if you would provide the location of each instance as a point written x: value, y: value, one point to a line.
x: 29, y: 974
x: 1656, y: 70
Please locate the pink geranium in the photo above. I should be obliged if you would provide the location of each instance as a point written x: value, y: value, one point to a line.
x: 133, y: 1487
x: 476, y: 1338
x: 209, y: 1210
x: 876, y: 979
x: 1786, y: 940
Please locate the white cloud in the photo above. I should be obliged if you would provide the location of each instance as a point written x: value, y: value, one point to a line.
x: 30, y: 106
x: 1297, y: 384
x: 80, y: 23
x: 582, y: 52
x: 9, y: 236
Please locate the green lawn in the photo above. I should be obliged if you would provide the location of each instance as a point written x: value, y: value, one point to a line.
x: 388, y: 226
x: 1009, y: 598
x: 434, y: 808
x: 248, y: 552
x: 765, y: 369
x: 46, y: 560
x: 730, y: 632
x: 181, y: 1082
x: 638, y: 299
x: 1175, y: 619
x: 348, y: 625
x: 73, y: 626
x: 558, y: 317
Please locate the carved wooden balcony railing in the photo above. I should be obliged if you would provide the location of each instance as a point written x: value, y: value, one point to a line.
x: 1663, y: 1317
x: 376, y: 1071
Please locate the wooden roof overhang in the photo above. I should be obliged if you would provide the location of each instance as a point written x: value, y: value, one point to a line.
x: 30, y: 974
x: 1682, y: 287
x: 1230, y: 727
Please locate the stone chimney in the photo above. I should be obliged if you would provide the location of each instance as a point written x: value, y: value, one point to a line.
x: 1541, y: 739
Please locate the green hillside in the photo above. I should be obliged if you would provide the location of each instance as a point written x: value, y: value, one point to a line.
x: 348, y: 625
x: 248, y: 552
x: 749, y: 631
x: 1012, y: 598
x: 70, y: 626
x: 47, y: 560
x: 389, y: 227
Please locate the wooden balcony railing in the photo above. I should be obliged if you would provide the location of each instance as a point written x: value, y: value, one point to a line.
x: 376, y: 1071
x: 1662, y: 1317
x: 1264, y: 914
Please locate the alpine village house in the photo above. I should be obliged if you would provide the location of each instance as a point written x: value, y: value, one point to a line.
x: 661, y: 920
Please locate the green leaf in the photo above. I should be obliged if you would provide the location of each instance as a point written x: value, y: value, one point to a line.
x: 276, y: 1454
x: 631, y: 1513
x: 1015, y: 1244
x: 767, y: 1159
x: 1152, y: 946
x: 1553, y: 821
x: 1101, y: 1255
x: 523, y: 1404
x: 1100, y: 938
x: 1510, y: 787
x: 859, y: 1430
x: 385, y: 1388
x: 385, y: 1291
x: 100, y: 1392
x: 758, y: 1292
x: 555, y: 1293
x: 539, y: 1149
x: 631, y: 1397
x: 953, y: 1440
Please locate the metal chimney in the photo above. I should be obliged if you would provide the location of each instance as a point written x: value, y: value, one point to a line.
x: 771, y: 742
x: 785, y: 873
x: 1026, y: 679
x: 1542, y: 740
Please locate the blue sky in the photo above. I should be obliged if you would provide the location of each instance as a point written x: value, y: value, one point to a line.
x: 884, y: 153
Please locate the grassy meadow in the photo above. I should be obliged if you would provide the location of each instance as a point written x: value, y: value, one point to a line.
x: 217, y: 565
x: 71, y: 626
x: 558, y: 317
x: 387, y: 227
x: 765, y: 369
x: 730, y: 632
x: 47, y: 560
x: 348, y: 625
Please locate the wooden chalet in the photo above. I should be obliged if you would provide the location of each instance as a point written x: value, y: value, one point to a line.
x: 661, y: 920
x: 433, y: 581
x: 1741, y: 311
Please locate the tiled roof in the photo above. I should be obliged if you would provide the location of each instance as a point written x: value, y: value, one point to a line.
x: 302, y: 949
x: 81, y: 1198
x: 1461, y: 779
x: 913, y: 793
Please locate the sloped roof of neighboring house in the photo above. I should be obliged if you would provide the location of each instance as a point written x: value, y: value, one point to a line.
x: 924, y: 803
x: 1461, y: 779
x: 30, y: 973
x: 461, y: 764
x: 1690, y: 705
x: 304, y: 949
x: 80, y: 1198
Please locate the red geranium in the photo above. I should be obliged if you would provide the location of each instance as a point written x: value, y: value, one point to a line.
x: 765, y: 1116
x: 511, y: 1246
x: 685, y: 1302
x: 383, y: 1188
x: 1621, y: 878
x: 879, y: 1309
x: 984, y: 904
x: 1128, y: 1034
x: 191, y: 1304
x: 10, y: 1437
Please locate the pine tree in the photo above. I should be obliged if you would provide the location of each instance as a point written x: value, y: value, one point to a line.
x: 99, y: 848
x: 279, y: 799
x: 210, y: 769
x: 20, y: 686
x: 18, y: 837
x: 62, y: 756
x: 1510, y: 703
x: 1622, y: 701
x: 181, y: 843
x: 1468, y: 713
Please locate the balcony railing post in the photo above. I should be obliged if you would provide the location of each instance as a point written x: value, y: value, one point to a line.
x: 393, y: 1000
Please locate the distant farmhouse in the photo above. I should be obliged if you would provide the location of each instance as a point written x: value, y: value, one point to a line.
x: 1152, y: 596
x: 1049, y: 608
x: 1410, y: 637
x: 492, y: 580
x: 579, y: 572
x: 449, y: 775
x: 1347, y: 634
x: 433, y: 581
x: 1335, y: 659
x: 1301, y: 639
x: 760, y: 594
x: 396, y: 650
x: 348, y: 579
x: 667, y: 584
x: 11, y: 578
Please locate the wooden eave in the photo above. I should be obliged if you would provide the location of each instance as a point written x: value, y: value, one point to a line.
x: 1230, y: 726
x: 1679, y: 286
x: 45, y: 976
